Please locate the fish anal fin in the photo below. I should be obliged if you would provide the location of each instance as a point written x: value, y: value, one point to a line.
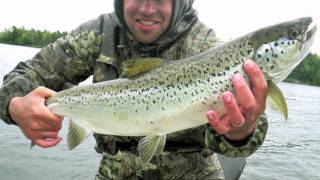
x: 151, y: 145
x: 276, y: 99
x: 134, y: 67
x: 76, y: 135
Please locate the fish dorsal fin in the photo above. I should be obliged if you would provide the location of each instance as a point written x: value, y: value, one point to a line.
x: 151, y: 145
x: 276, y: 99
x: 134, y: 67
x: 76, y: 135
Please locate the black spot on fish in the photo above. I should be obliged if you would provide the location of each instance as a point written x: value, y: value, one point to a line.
x: 276, y: 44
x: 266, y: 50
x: 289, y: 43
x: 151, y: 122
x: 163, y: 108
x: 259, y: 55
x: 281, y: 52
x: 271, y: 67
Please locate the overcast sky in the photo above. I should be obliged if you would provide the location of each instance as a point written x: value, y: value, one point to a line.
x: 229, y: 18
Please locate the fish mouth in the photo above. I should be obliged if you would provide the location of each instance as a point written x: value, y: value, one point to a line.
x: 311, y: 33
x: 308, y: 37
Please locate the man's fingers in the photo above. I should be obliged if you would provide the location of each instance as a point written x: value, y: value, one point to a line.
x: 44, y: 92
x: 246, y: 99
x: 52, y: 119
x: 259, y: 84
x: 46, y: 143
x: 44, y: 113
x: 45, y: 135
x: 236, y: 117
x: 221, y: 126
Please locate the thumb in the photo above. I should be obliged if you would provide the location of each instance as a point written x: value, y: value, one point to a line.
x: 44, y: 92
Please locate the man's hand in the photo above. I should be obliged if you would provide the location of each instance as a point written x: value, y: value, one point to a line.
x: 35, y: 120
x: 239, y: 121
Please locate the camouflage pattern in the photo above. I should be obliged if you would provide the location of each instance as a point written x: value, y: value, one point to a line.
x: 96, y: 48
x: 169, y: 165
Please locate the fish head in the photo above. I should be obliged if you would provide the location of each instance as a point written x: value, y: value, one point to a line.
x: 278, y: 49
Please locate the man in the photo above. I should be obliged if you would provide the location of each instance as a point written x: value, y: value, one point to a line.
x: 168, y: 29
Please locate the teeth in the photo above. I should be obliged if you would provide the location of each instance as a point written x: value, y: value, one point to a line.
x: 147, y: 23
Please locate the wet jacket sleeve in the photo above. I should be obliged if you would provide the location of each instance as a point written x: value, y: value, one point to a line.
x: 221, y: 145
x: 69, y: 60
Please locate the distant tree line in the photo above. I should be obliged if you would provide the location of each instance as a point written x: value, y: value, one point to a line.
x: 32, y: 37
x: 307, y: 72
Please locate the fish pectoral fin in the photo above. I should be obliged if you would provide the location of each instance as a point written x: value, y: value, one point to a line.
x: 151, y: 145
x: 133, y: 67
x: 276, y: 99
x: 76, y: 135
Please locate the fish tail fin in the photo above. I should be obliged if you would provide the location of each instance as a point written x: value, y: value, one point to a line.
x: 76, y: 135
x: 276, y: 99
x: 151, y: 145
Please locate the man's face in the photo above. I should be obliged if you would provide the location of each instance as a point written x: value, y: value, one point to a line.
x: 147, y: 19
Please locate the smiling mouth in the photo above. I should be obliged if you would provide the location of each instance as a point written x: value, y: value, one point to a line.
x: 147, y: 22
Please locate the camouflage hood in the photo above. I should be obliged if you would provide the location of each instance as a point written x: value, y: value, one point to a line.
x: 182, y: 18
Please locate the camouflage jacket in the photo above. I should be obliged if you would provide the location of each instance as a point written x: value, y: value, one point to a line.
x: 97, y: 48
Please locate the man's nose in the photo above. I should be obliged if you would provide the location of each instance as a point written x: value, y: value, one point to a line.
x: 148, y: 7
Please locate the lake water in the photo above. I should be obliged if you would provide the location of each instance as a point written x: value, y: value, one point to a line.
x: 291, y: 149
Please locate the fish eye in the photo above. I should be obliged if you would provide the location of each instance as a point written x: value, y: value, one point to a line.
x: 293, y: 33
